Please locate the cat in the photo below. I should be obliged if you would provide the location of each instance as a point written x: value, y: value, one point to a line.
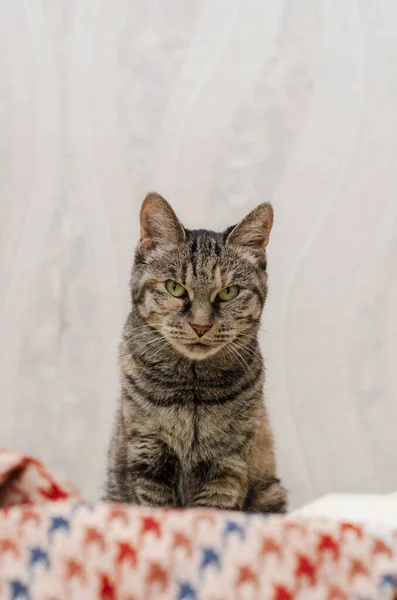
x: 191, y: 428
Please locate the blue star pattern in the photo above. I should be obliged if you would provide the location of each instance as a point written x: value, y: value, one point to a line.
x: 18, y: 590
x: 233, y: 527
x: 210, y: 557
x: 37, y: 556
x: 58, y: 523
x: 186, y: 592
x: 389, y: 580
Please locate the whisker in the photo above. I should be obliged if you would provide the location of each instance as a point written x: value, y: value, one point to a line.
x: 268, y: 332
x: 142, y: 327
x: 260, y: 329
x: 237, y: 356
x: 242, y: 358
x: 248, y: 350
x: 166, y: 343
x: 161, y: 344
x: 140, y: 334
x: 255, y: 336
x: 142, y: 356
x: 151, y: 342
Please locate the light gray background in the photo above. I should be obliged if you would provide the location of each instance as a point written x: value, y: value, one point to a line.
x: 219, y: 105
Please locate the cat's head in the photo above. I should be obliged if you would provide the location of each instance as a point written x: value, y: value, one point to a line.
x: 202, y: 290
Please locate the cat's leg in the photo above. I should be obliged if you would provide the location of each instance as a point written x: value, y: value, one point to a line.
x: 153, y: 471
x: 117, y: 488
x: 220, y: 485
x: 267, y: 496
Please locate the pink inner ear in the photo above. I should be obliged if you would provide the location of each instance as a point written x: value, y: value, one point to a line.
x: 146, y: 244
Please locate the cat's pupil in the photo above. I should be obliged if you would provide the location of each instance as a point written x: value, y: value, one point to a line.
x: 174, y: 286
x: 227, y: 291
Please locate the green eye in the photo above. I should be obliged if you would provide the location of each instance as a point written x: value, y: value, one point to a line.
x: 228, y: 293
x: 175, y: 289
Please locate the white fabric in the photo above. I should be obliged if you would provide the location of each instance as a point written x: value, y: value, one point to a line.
x: 377, y: 511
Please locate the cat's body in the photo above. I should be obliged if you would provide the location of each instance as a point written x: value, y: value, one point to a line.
x: 192, y: 429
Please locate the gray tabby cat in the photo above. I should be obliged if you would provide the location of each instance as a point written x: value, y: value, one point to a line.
x: 192, y: 429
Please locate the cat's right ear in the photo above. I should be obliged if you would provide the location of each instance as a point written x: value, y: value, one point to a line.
x: 159, y: 223
x: 253, y: 232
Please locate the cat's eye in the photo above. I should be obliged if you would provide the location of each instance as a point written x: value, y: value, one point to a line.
x: 175, y: 289
x: 228, y: 293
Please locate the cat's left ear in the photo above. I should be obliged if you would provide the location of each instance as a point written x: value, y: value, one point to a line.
x: 159, y: 223
x: 253, y: 231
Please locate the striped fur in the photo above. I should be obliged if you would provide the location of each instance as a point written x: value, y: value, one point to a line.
x: 191, y: 428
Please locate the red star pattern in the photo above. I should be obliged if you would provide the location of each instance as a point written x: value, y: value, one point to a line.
x: 328, y: 544
x: 353, y: 528
x: 380, y: 547
x: 74, y: 569
x: 305, y: 569
x: 93, y: 536
x: 358, y: 568
x: 107, y: 590
x: 335, y: 593
x: 204, y: 517
x: 157, y: 574
x: 270, y: 546
x: 246, y: 575
x: 150, y: 525
x: 54, y: 492
x: 126, y: 553
x: 282, y: 593
x: 182, y: 541
x: 118, y: 512
x: 290, y: 526
x: 7, y: 545
x: 29, y: 514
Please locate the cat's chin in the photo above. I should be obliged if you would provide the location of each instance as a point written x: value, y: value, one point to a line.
x: 197, y: 351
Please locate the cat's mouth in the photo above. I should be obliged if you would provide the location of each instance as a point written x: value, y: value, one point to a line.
x: 197, y: 350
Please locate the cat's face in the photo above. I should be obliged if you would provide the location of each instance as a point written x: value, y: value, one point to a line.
x: 202, y: 290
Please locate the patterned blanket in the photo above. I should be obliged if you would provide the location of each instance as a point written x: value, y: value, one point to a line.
x: 55, y: 546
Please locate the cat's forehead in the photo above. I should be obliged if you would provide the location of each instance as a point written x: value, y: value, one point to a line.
x: 202, y: 262
x: 207, y: 263
x: 205, y: 250
x: 205, y: 260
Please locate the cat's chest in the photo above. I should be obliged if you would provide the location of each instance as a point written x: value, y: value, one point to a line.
x: 190, y: 429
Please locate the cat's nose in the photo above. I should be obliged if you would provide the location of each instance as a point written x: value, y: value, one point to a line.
x: 200, y: 329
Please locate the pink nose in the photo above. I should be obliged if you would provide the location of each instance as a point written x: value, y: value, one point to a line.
x: 201, y: 329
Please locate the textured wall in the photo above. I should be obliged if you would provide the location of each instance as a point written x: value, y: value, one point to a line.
x: 217, y: 104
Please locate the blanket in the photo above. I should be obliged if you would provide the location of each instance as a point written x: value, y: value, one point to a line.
x: 55, y: 546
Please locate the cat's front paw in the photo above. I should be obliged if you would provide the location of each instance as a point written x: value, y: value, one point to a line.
x: 267, y: 496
